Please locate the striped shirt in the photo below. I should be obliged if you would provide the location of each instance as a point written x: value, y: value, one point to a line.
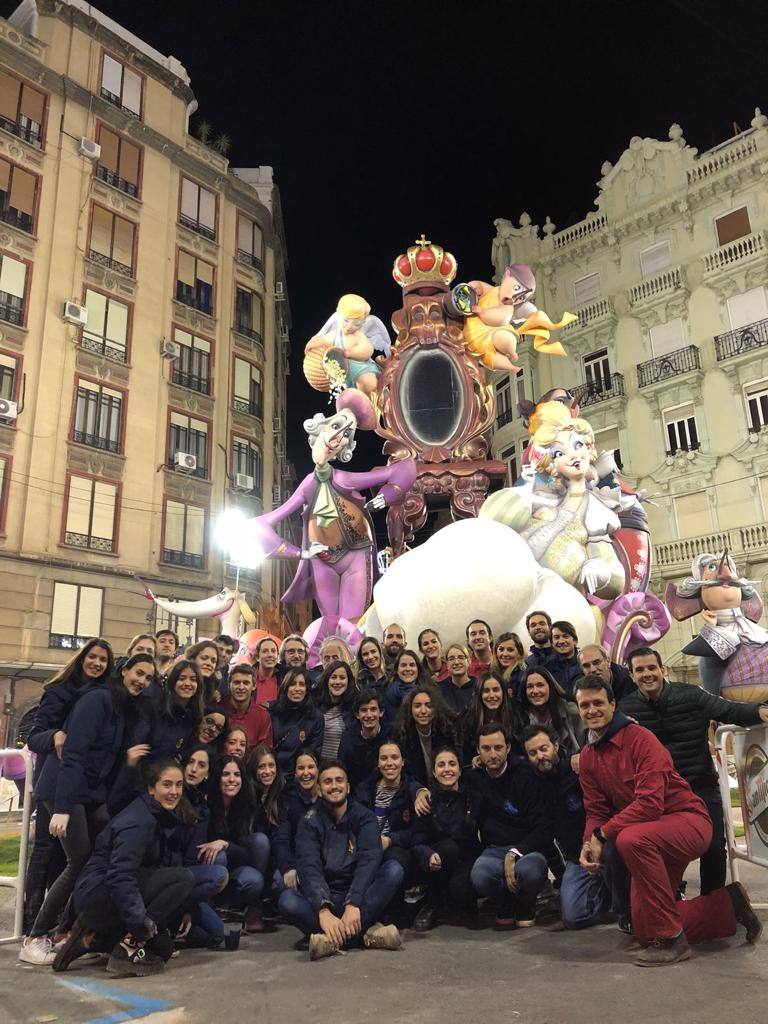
x: 334, y: 727
x: 382, y: 804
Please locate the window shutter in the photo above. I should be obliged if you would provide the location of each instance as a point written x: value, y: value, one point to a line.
x: 112, y: 75
x: 131, y: 97
x: 101, y: 231
x: 187, y: 269
x: 32, y: 104
x: 747, y: 308
x: 104, y: 497
x: 667, y: 337
x: 207, y: 209
x: 13, y: 275
x: 732, y: 226
x: 189, y: 193
x: 96, y: 304
x: 79, y: 505
x: 117, y: 323
x: 9, y: 96
x: 122, y: 250
x: 110, y: 147
x: 89, y: 613
x: 195, y: 530
x: 655, y: 259
x: 64, y: 608
x: 129, y: 162
x: 586, y: 289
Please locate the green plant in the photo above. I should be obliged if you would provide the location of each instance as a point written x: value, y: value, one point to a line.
x: 204, y: 132
x: 222, y: 143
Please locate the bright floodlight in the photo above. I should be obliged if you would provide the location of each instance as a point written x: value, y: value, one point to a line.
x: 234, y: 536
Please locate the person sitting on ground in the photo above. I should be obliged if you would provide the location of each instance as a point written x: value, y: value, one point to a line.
x: 508, y: 662
x: 431, y: 648
x: 408, y: 672
x: 539, y: 626
x: 459, y: 688
x: 268, y: 786
x: 423, y: 724
x: 595, y: 661
x: 515, y: 830
x: 491, y: 703
x: 134, y: 884
x: 480, y: 641
x: 296, y: 722
x: 634, y: 797
x: 336, y: 699
x: 205, y: 655
x: 543, y: 703
x: 360, y: 741
x: 343, y: 885
x: 585, y: 898
x: 369, y: 666
x: 244, y: 709
x: 265, y: 677
x: 295, y: 800
x: 565, y: 665
x: 166, y: 646
x: 446, y: 843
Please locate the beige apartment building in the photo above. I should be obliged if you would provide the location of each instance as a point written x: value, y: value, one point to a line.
x: 143, y: 344
x: 669, y: 355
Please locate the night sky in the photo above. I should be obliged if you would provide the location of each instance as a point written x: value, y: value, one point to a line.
x: 383, y: 120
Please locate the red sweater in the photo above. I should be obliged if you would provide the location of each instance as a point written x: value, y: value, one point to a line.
x: 267, y: 688
x: 255, y: 720
x: 629, y: 778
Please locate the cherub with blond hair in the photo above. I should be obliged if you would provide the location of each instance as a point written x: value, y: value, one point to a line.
x: 350, y: 337
x: 557, y: 510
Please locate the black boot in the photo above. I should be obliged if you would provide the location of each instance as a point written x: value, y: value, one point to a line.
x: 426, y: 918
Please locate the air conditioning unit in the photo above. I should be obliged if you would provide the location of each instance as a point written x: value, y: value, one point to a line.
x: 243, y: 482
x: 169, y: 349
x: 276, y: 494
x: 8, y: 410
x: 185, y: 462
x: 89, y: 148
x: 75, y: 314
x: 279, y: 290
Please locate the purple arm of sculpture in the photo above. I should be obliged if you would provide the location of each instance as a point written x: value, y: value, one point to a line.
x: 270, y: 542
x: 397, y: 479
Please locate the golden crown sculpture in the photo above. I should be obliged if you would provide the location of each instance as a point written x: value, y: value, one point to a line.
x: 424, y: 263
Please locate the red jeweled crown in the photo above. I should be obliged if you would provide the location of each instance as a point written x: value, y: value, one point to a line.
x: 424, y: 263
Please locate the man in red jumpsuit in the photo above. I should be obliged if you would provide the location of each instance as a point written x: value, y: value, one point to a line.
x: 634, y: 796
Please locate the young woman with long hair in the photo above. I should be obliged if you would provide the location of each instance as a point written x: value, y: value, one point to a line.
x: 543, y: 703
x: 491, y: 703
x: 172, y: 720
x: 337, y: 696
x: 234, y: 743
x: 407, y: 673
x: 296, y: 722
x: 458, y: 687
x: 431, y: 649
x: 370, y: 668
x: 205, y: 655
x: 295, y: 800
x: 423, y: 724
x: 508, y: 662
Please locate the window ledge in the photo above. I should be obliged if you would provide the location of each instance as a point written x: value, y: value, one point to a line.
x: 28, y: 146
x: 104, y: 452
x: 88, y: 551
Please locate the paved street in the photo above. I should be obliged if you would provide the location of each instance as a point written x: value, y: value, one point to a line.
x: 527, y: 977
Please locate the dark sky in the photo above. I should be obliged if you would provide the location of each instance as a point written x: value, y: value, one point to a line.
x: 383, y: 120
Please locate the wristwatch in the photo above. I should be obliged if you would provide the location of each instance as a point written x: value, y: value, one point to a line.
x: 598, y: 834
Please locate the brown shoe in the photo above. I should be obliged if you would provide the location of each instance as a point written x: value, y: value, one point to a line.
x: 742, y: 908
x: 661, y: 952
x: 382, y: 936
x: 320, y: 946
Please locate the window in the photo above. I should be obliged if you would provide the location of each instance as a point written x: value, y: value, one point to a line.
x: 524, y: 442
x: 586, y: 289
x: 106, y: 331
x: 13, y: 282
x: 98, y: 416
x: 193, y: 367
x: 185, y: 629
x: 189, y: 435
x: 680, y: 429
x: 5, y: 483
x: 667, y: 337
x: 119, y: 162
x: 248, y: 313
x: 22, y: 109
x: 184, y: 535
x: 8, y: 369
x: 75, y: 615
x: 692, y: 514
x: 17, y: 196
x: 608, y: 441
x: 91, y: 510
x: 247, y: 392
x: 757, y: 406
x: 655, y: 258
x: 733, y: 225
x: 748, y: 308
x: 198, y: 209
x: 504, y: 411
x: 194, y: 283
x: 763, y: 482
x: 250, y: 242
x: 509, y: 457
x: 121, y: 86
x: 112, y: 239
x: 597, y: 371
x: 520, y: 386
x: 246, y: 458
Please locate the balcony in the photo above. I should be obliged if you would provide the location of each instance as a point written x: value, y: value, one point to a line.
x: 250, y: 408
x: 102, y: 347
x: 743, y: 250
x: 599, y: 391
x: 11, y: 309
x: 579, y: 232
x: 88, y: 542
x: 197, y: 227
x: 504, y: 417
x: 250, y: 260
x: 191, y: 381
x: 67, y: 641
x: 114, y: 179
x: 23, y: 128
x: 682, y: 449
x: 183, y: 558
x: 722, y: 157
x: 740, y: 340
x: 110, y: 97
x: 660, y: 284
x: 16, y: 218
x: 682, y: 360
x: 107, y: 261
x: 751, y: 541
x: 187, y: 297
x: 104, y: 444
x: 247, y: 331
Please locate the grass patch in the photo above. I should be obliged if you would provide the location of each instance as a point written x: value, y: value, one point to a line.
x: 734, y: 798
x: 9, y: 855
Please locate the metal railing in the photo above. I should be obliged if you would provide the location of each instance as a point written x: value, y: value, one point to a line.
x: 105, y: 444
x: 23, y: 128
x: 252, y: 261
x: 682, y: 360
x: 19, y: 882
x: 187, y: 297
x: 113, y: 178
x: 599, y: 391
x: 16, y: 218
x: 173, y: 557
x: 251, y: 408
x: 742, y: 339
x: 103, y: 348
x: 247, y: 331
x: 88, y: 541
x: 115, y: 100
x: 197, y: 227
x: 107, y: 261
x: 191, y: 381
x: 504, y: 417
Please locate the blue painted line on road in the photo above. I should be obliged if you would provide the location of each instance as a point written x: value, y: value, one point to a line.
x: 134, y: 1005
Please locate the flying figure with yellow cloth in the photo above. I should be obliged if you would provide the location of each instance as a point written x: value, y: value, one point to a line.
x: 497, y: 316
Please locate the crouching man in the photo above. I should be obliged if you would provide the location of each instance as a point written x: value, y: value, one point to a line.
x: 343, y: 885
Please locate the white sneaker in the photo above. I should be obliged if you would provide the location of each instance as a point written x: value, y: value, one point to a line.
x: 38, y: 951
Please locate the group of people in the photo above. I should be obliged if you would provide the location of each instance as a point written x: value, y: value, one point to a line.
x: 385, y: 788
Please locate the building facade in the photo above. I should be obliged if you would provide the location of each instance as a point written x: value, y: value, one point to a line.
x: 669, y: 355
x: 143, y: 343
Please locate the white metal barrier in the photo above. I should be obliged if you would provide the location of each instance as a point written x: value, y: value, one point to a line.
x: 750, y: 755
x: 20, y: 880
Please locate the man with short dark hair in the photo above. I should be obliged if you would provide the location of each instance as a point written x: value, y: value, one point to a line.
x: 343, y: 885
x: 539, y: 626
x: 515, y: 829
x: 242, y: 710
x: 166, y: 645
x: 393, y: 643
x: 359, y: 747
x: 595, y: 661
x: 679, y: 715
x: 634, y: 796
x: 480, y: 641
x: 226, y: 646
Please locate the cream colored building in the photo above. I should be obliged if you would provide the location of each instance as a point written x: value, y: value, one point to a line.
x: 143, y: 342
x: 669, y: 355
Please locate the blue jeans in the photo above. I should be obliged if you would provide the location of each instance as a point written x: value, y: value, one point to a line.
x: 585, y: 899
x: 297, y: 910
x: 247, y: 860
x: 530, y: 872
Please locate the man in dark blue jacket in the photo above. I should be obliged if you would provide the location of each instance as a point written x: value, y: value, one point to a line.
x: 515, y: 828
x: 539, y: 626
x: 360, y: 741
x: 343, y: 885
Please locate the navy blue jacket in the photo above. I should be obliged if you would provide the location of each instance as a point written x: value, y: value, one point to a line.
x: 401, y: 813
x: 413, y: 755
x: 166, y: 733
x: 566, y: 671
x: 337, y: 856
x: 562, y: 793
x: 95, y: 730
x: 365, y: 681
x: 510, y: 810
x: 294, y: 804
x: 395, y: 694
x: 457, y: 697
x: 295, y: 728
x: 360, y: 755
x: 540, y: 657
x: 52, y: 712
x: 452, y: 816
x: 142, y: 836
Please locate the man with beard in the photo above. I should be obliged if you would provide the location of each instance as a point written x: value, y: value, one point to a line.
x: 480, y: 640
x: 539, y: 626
x: 393, y: 643
x: 585, y: 898
x: 293, y: 652
x: 343, y: 884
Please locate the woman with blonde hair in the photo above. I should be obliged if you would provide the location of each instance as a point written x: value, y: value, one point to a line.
x: 508, y: 661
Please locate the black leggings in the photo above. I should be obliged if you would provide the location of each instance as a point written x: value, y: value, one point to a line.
x: 84, y: 825
x: 46, y: 863
x: 451, y: 886
x: 164, y: 891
